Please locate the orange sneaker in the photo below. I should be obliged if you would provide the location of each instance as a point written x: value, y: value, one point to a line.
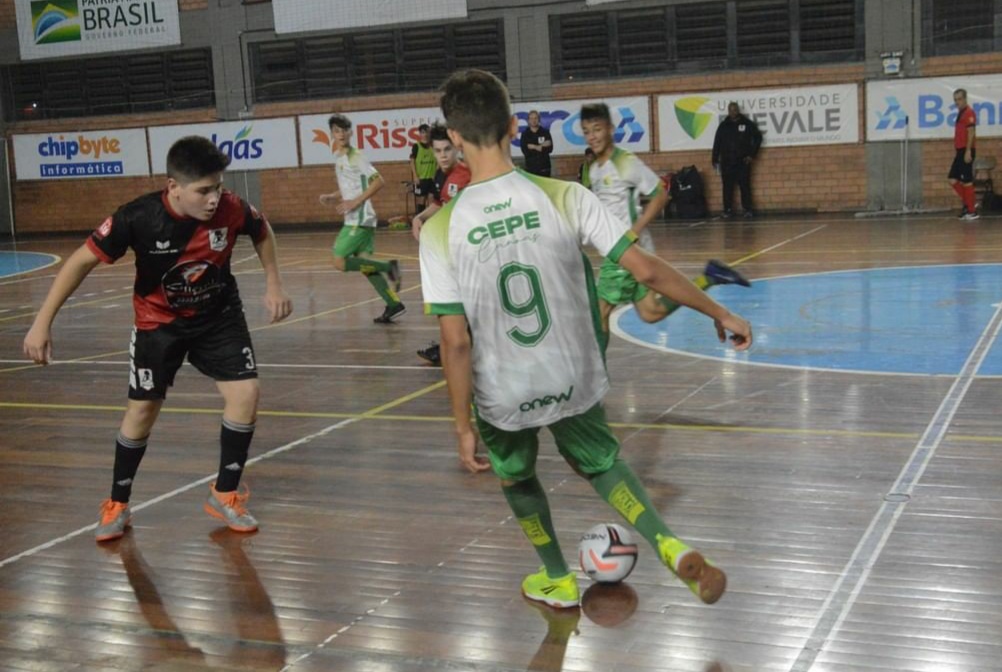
x: 113, y: 519
x: 230, y: 508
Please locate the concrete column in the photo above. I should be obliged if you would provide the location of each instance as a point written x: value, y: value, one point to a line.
x: 892, y: 25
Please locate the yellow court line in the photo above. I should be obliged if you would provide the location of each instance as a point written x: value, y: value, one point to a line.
x: 261, y: 328
x: 286, y: 322
x: 76, y: 304
x: 377, y: 414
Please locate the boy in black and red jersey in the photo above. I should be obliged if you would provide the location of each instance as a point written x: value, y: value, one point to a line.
x: 186, y: 303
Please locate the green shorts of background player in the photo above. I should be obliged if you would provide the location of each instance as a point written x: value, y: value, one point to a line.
x: 351, y: 250
x: 617, y: 286
x: 588, y: 445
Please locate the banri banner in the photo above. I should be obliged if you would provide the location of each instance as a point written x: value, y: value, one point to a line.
x: 52, y: 28
x: 815, y: 115
x: 254, y: 144
x: 923, y: 109
x: 81, y: 155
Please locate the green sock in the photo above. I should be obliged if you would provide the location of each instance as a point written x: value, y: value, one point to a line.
x: 620, y: 487
x: 603, y: 342
x: 527, y: 500
x: 700, y: 281
x: 366, y: 265
x: 379, y: 282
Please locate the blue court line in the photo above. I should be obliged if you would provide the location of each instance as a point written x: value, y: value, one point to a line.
x: 906, y: 320
x: 19, y: 263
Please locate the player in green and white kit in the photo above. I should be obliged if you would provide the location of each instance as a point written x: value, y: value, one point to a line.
x: 620, y: 179
x: 502, y: 267
x: 357, y: 183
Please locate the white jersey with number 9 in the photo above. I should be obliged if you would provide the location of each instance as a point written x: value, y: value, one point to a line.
x: 506, y: 253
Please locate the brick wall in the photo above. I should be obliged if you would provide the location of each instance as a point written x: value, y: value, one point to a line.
x: 8, y: 19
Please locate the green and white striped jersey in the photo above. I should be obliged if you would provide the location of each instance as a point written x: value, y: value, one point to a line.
x: 619, y: 183
x: 506, y: 253
x: 354, y: 174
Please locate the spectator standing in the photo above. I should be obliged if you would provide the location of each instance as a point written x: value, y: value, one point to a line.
x: 537, y: 145
x: 735, y: 146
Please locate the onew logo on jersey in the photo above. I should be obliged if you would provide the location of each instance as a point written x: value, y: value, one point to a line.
x: 504, y: 205
x: 217, y: 239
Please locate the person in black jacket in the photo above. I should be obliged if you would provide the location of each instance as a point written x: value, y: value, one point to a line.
x: 734, y: 148
x: 537, y: 145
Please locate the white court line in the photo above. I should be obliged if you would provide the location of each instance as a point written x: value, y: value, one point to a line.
x: 184, y: 488
x: 853, y: 577
x: 415, y: 367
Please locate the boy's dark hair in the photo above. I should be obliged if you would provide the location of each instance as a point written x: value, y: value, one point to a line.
x: 193, y: 157
x: 423, y: 127
x: 476, y: 105
x: 340, y: 121
x: 596, y: 112
x: 440, y: 132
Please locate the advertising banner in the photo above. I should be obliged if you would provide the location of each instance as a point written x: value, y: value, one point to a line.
x: 816, y: 115
x: 254, y: 144
x: 51, y: 28
x: 923, y: 109
x: 81, y: 155
x: 387, y: 135
x: 293, y: 16
x: 382, y: 135
x: 631, y: 118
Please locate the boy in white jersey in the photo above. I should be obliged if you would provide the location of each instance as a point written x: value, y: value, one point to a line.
x: 502, y: 267
x: 357, y: 183
x: 620, y: 179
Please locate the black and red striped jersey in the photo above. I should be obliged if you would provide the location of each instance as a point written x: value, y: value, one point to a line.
x: 182, y: 264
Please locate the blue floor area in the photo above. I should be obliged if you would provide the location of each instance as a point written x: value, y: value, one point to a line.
x: 915, y: 320
x: 16, y: 263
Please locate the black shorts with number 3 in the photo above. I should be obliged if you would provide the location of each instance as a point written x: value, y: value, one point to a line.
x: 961, y: 171
x: 220, y: 348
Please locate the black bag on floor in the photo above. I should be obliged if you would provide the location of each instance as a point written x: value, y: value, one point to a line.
x: 688, y: 198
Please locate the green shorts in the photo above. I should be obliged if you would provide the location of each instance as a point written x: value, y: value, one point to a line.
x: 354, y: 240
x: 584, y: 440
x: 616, y: 285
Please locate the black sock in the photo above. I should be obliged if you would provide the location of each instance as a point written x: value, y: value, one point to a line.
x: 128, y: 454
x: 234, y: 443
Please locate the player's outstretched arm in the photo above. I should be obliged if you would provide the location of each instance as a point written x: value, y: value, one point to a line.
x: 662, y: 277
x: 279, y: 305
x: 38, y: 341
x: 456, y: 363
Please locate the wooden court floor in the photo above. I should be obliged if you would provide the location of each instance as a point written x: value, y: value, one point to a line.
x: 858, y: 516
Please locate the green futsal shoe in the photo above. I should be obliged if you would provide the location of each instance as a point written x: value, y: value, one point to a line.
x: 561, y: 592
x: 706, y: 581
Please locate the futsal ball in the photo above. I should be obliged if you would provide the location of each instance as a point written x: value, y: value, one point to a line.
x: 607, y: 553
